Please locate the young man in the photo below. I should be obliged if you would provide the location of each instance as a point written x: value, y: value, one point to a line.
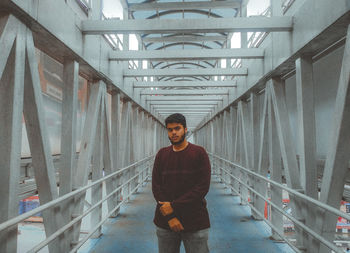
x: 180, y: 181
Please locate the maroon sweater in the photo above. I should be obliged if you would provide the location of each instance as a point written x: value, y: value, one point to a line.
x: 182, y: 178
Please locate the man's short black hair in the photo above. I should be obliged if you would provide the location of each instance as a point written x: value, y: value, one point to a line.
x: 176, y: 118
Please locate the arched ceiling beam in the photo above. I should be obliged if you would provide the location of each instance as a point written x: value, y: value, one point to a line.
x: 185, y: 37
x: 222, y: 36
x: 232, y: 4
x: 167, y: 65
x: 182, y: 78
x: 182, y: 43
x: 201, y: 12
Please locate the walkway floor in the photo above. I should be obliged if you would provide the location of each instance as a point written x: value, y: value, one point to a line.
x: 232, y: 228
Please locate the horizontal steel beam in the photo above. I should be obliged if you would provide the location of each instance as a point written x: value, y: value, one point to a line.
x: 163, y: 84
x: 183, y: 98
x: 184, y: 103
x: 184, y: 92
x: 183, y: 38
x: 186, y: 72
x: 185, y: 5
x: 184, y: 106
x: 183, y: 110
x: 185, y: 113
x: 194, y: 54
x: 208, y: 25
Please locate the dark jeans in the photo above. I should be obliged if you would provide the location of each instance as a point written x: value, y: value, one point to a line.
x: 194, y: 242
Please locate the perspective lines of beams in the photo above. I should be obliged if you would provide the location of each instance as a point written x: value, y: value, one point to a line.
x: 185, y: 52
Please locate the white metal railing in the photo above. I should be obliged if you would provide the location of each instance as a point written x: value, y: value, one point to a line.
x: 293, y: 192
x: 142, y: 175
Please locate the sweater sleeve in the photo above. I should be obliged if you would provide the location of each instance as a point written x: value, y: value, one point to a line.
x: 197, y: 193
x: 157, y: 180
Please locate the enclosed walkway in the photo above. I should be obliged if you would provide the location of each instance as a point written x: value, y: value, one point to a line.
x: 232, y: 228
x: 86, y: 85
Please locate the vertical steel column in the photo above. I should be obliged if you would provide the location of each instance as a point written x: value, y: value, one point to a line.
x: 263, y: 153
x: 233, y: 170
x: 217, y: 145
x: 229, y: 142
x: 254, y: 145
x: 86, y: 151
x: 142, y: 139
x: 97, y: 166
x: 287, y: 148
x: 69, y: 119
x: 242, y: 108
x: 307, y: 140
x: 275, y: 173
x: 68, y: 140
x: 11, y: 107
x: 237, y: 151
x: 134, y: 135
x: 115, y: 139
x: 34, y: 115
x: 125, y: 64
x: 306, y: 123
x: 221, y: 145
x: 108, y: 152
x: 336, y: 168
x: 125, y: 142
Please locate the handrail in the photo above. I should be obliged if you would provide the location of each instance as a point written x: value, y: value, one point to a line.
x: 333, y: 210
x: 54, y: 202
x: 262, y: 216
x: 102, y: 221
x: 292, y: 191
x: 280, y: 210
x: 80, y: 217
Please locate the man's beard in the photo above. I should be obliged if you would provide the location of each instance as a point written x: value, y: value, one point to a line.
x: 178, y: 142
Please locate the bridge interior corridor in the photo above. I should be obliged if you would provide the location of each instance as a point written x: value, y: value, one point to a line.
x: 86, y: 86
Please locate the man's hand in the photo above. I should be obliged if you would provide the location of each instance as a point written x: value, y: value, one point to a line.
x: 175, y: 225
x: 166, y: 208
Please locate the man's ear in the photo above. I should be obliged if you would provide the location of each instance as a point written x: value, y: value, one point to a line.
x: 185, y: 130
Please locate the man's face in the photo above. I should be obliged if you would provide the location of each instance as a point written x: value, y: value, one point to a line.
x: 176, y: 133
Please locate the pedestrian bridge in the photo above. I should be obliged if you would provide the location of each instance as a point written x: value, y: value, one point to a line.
x: 85, y: 87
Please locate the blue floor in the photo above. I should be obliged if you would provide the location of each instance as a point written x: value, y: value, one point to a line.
x: 232, y: 229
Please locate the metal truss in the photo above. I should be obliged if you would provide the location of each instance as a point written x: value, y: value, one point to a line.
x: 239, y: 114
x: 248, y: 143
